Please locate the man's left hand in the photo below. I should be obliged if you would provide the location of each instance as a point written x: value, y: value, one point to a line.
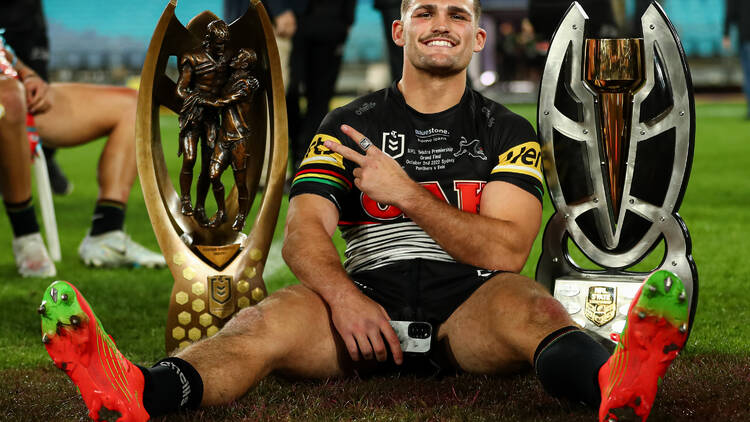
x: 378, y: 175
x: 37, y: 94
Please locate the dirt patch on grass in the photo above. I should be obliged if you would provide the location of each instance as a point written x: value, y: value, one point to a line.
x: 697, y: 388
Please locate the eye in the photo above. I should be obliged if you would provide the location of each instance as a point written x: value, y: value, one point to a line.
x: 459, y: 17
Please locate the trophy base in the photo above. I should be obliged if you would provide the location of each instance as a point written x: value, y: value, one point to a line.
x: 599, y: 304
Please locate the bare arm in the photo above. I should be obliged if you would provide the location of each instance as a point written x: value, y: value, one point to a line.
x: 312, y: 257
x: 499, y: 238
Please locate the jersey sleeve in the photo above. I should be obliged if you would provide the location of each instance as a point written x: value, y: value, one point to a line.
x: 322, y: 171
x: 518, y: 157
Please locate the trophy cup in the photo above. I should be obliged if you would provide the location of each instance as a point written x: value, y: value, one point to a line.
x: 616, y: 122
x: 229, y: 97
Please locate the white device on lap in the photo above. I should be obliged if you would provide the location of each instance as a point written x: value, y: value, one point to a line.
x: 414, y: 336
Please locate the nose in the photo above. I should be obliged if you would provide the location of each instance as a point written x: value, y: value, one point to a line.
x: 440, y: 23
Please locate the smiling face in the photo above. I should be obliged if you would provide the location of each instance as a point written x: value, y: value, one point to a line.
x: 439, y: 36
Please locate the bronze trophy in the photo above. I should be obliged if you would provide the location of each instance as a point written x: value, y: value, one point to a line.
x: 229, y: 97
x: 616, y: 122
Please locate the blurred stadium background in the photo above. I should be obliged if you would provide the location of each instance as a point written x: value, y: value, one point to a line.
x: 108, y: 42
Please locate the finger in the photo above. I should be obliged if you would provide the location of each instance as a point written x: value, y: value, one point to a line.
x: 351, y: 346
x: 357, y: 173
x: 346, y: 152
x: 352, y: 133
x: 364, y: 142
x: 364, y: 346
x: 35, y: 105
x: 393, y: 343
x: 378, y: 347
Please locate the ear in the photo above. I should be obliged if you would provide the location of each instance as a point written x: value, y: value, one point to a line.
x: 479, y: 39
x: 397, y: 33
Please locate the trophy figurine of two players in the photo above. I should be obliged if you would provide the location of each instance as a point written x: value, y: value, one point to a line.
x: 229, y: 98
x: 616, y: 121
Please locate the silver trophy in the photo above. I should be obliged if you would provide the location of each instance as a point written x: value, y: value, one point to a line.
x: 616, y: 121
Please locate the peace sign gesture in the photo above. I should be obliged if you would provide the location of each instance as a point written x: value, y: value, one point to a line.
x: 378, y: 175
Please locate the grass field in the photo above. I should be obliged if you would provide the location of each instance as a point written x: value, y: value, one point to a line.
x: 709, y: 381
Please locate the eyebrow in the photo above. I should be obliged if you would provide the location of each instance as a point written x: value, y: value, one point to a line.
x: 451, y: 9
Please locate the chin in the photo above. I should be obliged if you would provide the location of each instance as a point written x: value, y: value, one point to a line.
x: 439, y: 69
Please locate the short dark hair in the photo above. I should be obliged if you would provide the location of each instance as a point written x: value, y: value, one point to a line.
x: 477, y: 8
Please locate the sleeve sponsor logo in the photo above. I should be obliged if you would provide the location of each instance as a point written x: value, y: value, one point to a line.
x: 521, y: 159
x: 319, y: 154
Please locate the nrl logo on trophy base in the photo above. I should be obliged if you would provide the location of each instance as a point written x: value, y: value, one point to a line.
x: 616, y: 122
x: 229, y: 100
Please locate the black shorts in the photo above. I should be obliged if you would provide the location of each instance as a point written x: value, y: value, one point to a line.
x: 421, y: 290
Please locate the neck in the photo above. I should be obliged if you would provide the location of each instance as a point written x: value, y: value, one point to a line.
x: 428, y: 93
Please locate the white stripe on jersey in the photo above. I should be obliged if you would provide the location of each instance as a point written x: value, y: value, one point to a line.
x: 373, y: 246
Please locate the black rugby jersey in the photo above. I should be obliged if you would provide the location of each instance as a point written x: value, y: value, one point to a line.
x: 453, y: 154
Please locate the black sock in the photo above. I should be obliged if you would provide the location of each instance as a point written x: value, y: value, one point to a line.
x: 567, y: 364
x: 170, y: 386
x: 22, y: 217
x: 108, y: 216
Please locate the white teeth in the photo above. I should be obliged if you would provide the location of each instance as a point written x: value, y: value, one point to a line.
x: 440, y: 43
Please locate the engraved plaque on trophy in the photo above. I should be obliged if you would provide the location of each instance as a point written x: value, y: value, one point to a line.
x: 616, y: 121
x: 229, y: 98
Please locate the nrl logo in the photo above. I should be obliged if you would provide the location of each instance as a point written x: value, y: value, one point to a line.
x: 601, y: 305
x: 221, y: 288
x: 472, y: 148
x: 393, y: 144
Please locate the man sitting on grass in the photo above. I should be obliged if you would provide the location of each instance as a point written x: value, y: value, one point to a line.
x: 68, y: 115
x: 436, y: 231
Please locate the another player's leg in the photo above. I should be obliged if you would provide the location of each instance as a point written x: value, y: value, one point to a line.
x: 29, y: 250
x: 111, y: 386
x: 511, y: 322
x: 655, y: 332
x: 82, y: 113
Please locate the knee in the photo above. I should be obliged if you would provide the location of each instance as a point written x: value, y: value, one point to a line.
x: 12, y: 98
x: 545, y: 310
x: 128, y: 100
x: 250, y: 321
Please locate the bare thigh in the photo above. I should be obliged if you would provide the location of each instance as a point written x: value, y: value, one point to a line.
x: 497, y: 329
x: 83, y: 112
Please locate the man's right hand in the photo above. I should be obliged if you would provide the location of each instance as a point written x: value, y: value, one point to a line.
x: 363, y: 324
